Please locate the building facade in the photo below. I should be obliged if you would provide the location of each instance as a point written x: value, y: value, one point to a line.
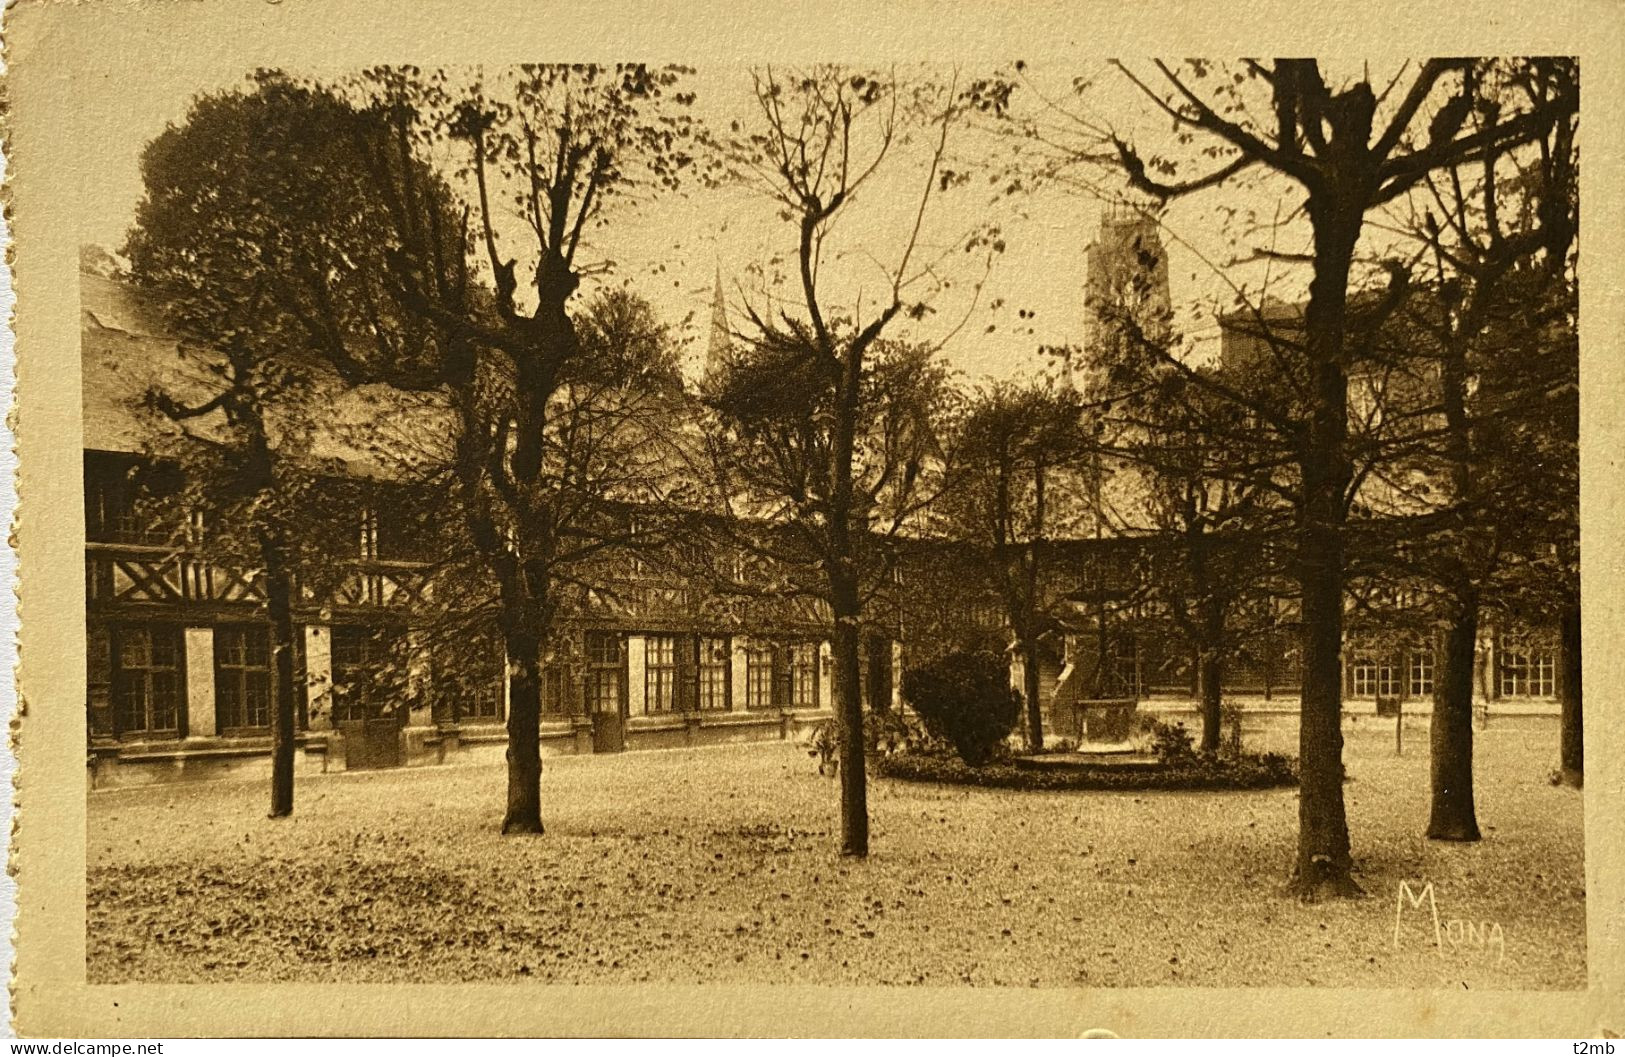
x: 180, y: 678
x: 181, y: 684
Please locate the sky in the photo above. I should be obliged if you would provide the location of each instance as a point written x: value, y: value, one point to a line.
x: 672, y: 250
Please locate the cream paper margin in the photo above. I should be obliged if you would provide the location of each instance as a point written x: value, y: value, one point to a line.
x: 50, y: 75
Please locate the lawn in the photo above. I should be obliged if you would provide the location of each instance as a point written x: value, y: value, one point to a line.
x: 720, y: 865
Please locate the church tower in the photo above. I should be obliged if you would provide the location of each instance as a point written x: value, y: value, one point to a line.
x: 1126, y: 294
x: 720, y: 342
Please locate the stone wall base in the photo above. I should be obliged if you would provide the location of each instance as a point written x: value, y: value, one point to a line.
x: 114, y: 765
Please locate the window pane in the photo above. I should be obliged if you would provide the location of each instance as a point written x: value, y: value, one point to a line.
x: 660, y: 673
x: 165, y: 649
x: 242, y: 677
x: 713, y: 675
x: 604, y: 690
x: 759, y: 677
x: 257, y: 699
x: 165, y: 700
x: 603, y: 647
x: 131, y: 700
x: 135, y: 648
x: 1421, y: 673
x: 228, y: 646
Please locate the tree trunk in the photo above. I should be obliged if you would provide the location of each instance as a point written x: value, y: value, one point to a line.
x: 1324, y: 863
x: 1451, y: 731
x: 849, y: 709
x: 1323, y: 836
x: 279, y: 598
x: 1103, y: 678
x: 524, y: 812
x: 1572, y: 735
x: 1270, y: 648
x: 1210, y: 676
x: 1212, y: 698
x: 1030, y: 684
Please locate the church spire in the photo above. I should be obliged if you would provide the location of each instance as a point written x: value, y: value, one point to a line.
x: 716, y: 352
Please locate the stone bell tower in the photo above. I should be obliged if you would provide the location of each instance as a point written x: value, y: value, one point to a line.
x: 1126, y: 296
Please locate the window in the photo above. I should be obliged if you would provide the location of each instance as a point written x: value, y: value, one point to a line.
x: 984, y: 614
x: 99, y: 681
x: 1421, y: 672
x: 759, y: 676
x: 361, y: 672
x: 1387, y: 680
x: 1363, y: 677
x: 483, y: 701
x: 605, y: 665
x: 660, y: 673
x: 485, y: 706
x: 555, y: 688
x: 1125, y: 667
x: 242, y: 677
x: 634, y: 531
x: 1368, y: 678
x: 1527, y: 671
x: 801, y: 663
x: 715, y: 661
x: 147, y: 686
x: 469, y: 675
x: 389, y: 538
x: 125, y: 501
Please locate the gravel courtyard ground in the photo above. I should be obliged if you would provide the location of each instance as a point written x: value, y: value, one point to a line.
x: 720, y: 865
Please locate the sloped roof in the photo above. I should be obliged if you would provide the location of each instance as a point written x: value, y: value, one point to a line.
x: 125, y: 351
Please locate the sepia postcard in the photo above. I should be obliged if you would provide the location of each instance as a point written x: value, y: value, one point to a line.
x: 817, y: 519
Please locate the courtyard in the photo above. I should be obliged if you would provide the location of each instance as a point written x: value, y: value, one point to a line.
x: 720, y: 865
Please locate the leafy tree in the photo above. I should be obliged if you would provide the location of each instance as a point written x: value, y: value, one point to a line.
x: 257, y: 240
x: 610, y: 434
x: 1019, y: 462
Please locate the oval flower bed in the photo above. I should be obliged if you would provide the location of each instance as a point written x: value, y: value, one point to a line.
x: 1248, y: 771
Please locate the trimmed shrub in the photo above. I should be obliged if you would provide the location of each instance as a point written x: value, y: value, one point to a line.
x: 965, y: 699
x: 1251, y: 771
x: 889, y: 732
x: 1171, y: 742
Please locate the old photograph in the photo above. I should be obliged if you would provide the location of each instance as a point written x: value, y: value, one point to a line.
x: 1031, y: 522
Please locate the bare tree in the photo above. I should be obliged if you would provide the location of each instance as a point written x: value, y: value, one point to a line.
x: 833, y: 427
x: 1498, y: 329
x: 537, y: 412
x: 1348, y: 149
x: 1211, y: 517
